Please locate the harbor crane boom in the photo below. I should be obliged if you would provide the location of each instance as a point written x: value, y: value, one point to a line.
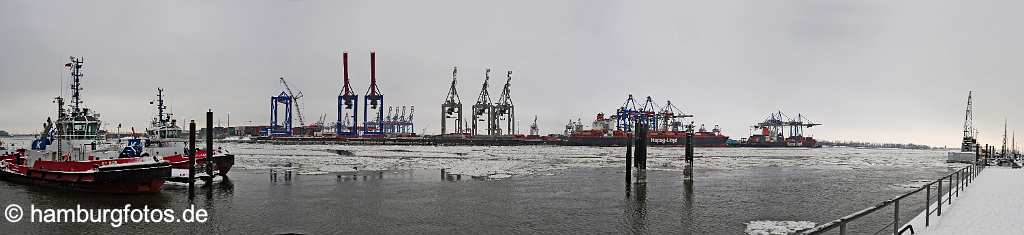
x: 295, y: 100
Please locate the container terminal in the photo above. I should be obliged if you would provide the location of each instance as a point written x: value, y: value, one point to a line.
x: 491, y: 121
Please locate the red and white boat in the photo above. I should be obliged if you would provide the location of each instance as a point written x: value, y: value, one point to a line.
x: 72, y: 154
x: 165, y: 139
x: 128, y: 175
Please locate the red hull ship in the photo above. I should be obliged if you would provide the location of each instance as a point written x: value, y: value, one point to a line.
x: 666, y: 123
x: 71, y: 154
x: 127, y: 175
x: 601, y: 134
x: 774, y: 130
x: 165, y: 140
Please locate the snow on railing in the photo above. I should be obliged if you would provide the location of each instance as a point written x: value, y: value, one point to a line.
x: 963, y: 178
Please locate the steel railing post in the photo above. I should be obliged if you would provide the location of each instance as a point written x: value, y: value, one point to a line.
x: 896, y: 217
x: 927, y: 203
x: 950, y: 191
x: 938, y: 196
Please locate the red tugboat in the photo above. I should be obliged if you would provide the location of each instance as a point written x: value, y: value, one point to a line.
x: 773, y: 132
x: 72, y: 155
x: 165, y: 139
x: 669, y: 129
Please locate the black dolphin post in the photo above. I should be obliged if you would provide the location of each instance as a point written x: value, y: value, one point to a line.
x: 209, y: 145
x: 191, y: 151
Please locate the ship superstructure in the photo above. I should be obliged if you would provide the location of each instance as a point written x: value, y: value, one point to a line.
x: 72, y: 153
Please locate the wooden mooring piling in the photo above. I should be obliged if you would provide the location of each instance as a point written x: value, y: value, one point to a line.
x: 636, y: 157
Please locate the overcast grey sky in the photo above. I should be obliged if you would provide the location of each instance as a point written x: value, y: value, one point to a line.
x: 885, y: 71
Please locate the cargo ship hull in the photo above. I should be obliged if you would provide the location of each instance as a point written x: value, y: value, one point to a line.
x: 618, y: 141
x: 762, y: 141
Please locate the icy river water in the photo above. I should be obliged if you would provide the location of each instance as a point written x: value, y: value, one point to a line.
x: 501, y: 190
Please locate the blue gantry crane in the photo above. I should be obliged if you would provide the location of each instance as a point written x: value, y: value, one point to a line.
x: 348, y: 105
x: 626, y: 115
x: 279, y: 127
x: 373, y: 100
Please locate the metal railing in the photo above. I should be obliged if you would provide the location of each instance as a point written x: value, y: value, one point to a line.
x: 963, y: 177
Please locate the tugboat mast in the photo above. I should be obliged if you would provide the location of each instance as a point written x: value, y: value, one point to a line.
x: 160, y: 107
x: 76, y: 86
x: 60, y: 128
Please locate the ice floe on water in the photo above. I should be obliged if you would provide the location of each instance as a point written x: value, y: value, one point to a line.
x: 767, y: 227
x: 507, y: 161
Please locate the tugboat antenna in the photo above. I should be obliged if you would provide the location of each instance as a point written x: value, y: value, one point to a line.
x: 161, y: 117
x: 76, y: 86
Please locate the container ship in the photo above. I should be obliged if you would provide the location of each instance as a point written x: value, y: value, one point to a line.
x: 773, y: 133
x: 603, y: 133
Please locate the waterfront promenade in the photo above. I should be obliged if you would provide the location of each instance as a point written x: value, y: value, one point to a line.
x: 993, y: 204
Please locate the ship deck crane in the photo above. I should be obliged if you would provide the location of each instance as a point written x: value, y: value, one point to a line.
x: 295, y: 101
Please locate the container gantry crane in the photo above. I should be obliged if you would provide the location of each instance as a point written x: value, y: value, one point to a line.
x: 648, y: 113
x: 626, y: 115
x: 389, y: 120
x: 534, y: 130
x: 504, y: 110
x: 452, y: 105
x: 483, y: 107
x: 672, y: 118
x: 373, y: 100
x: 409, y: 120
x: 279, y: 127
x: 774, y: 126
x: 348, y: 105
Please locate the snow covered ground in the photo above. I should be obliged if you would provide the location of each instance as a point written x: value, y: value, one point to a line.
x: 766, y: 227
x: 506, y: 161
x: 992, y: 204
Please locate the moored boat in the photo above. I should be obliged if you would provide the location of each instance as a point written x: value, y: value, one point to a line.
x: 165, y: 139
x: 71, y: 154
